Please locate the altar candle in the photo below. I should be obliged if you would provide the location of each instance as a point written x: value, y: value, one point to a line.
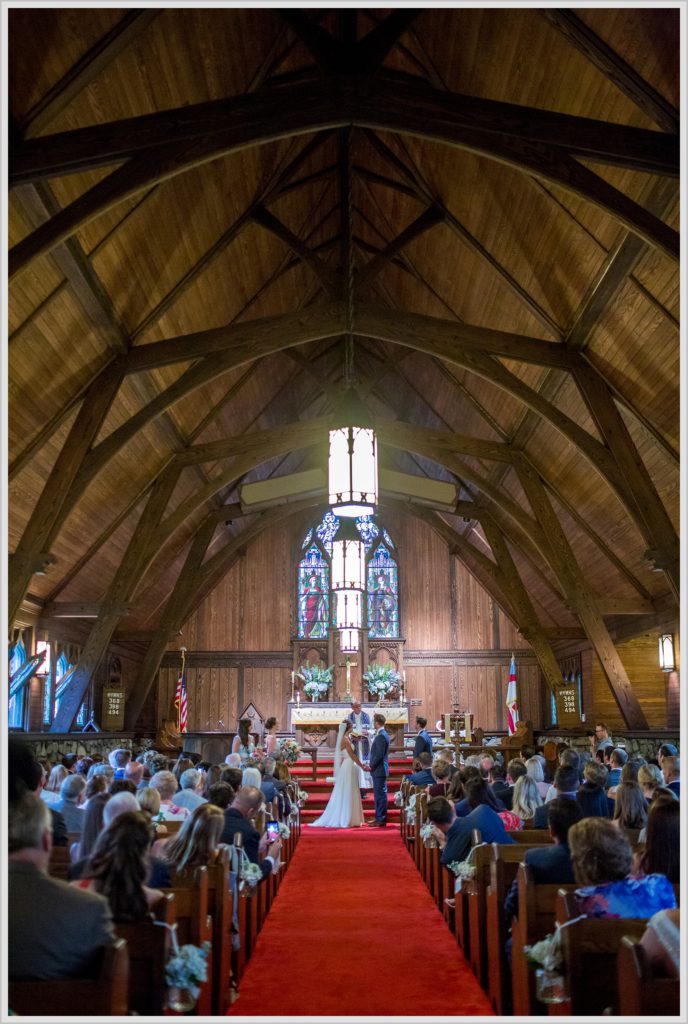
x: 447, y: 725
x: 298, y: 698
x: 292, y: 687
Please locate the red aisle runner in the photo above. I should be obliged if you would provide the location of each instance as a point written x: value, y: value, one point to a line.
x: 354, y: 931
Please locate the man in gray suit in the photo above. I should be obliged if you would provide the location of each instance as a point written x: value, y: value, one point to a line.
x: 54, y: 930
x: 69, y: 804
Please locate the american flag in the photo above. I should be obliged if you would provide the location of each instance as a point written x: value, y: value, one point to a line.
x: 511, y: 700
x: 180, y: 701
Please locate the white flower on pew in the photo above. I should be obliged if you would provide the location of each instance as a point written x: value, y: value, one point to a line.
x: 284, y: 831
x: 250, y: 873
x: 546, y: 952
x: 303, y: 796
x: 462, y: 869
x: 428, y: 834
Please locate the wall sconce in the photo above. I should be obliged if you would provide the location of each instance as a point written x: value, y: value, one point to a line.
x: 667, y: 657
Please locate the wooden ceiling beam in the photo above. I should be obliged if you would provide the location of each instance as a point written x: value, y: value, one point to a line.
x: 429, y: 218
x: 159, y: 146
x: 580, y: 599
x: 616, y: 69
x: 86, y: 69
x: 381, y: 40
x: 327, y: 276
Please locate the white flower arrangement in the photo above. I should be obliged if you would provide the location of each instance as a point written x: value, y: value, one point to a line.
x: 188, y: 967
x: 289, y: 750
x: 546, y: 952
x: 284, y: 831
x: 317, y: 680
x: 303, y: 796
x: 462, y: 869
x: 381, y: 679
x: 428, y: 834
x: 250, y: 873
x: 410, y: 815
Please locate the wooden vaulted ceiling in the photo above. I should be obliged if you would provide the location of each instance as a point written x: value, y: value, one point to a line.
x: 205, y: 205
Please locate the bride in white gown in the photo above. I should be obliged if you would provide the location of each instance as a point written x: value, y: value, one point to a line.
x: 344, y: 808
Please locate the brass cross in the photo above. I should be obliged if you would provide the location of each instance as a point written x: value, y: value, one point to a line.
x: 348, y: 664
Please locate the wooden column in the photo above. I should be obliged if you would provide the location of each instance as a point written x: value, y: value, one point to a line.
x: 49, y: 513
x: 582, y: 602
x: 119, y: 593
x: 171, y: 620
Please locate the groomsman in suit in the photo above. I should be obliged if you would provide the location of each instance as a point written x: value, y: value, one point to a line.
x: 379, y: 769
x: 423, y: 744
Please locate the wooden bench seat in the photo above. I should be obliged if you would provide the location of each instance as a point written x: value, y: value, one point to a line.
x: 641, y: 992
x: 104, y: 994
x: 149, y: 947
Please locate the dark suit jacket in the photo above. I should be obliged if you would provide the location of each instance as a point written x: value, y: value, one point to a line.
x: 55, y: 930
x: 541, y: 816
x: 379, y: 765
x: 459, y: 835
x: 236, y: 822
x: 504, y: 792
x: 550, y: 866
x: 463, y: 808
x: 60, y: 837
x: 676, y: 787
x: 268, y: 789
x: 422, y: 778
x: 423, y: 743
x: 158, y: 872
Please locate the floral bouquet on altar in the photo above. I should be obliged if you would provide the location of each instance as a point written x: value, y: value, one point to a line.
x: 381, y: 679
x: 289, y: 750
x: 317, y: 680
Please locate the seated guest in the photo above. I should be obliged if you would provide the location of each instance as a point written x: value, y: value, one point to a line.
x: 192, y: 783
x: 133, y: 771
x: 119, y: 866
x: 591, y: 796
x: 549, y: 865
x: 24, y: 773
x: 568, y: 758
x: 525, y: 802
x: 182, y: 764
x: 69, y: 760
x: 423, y: 741
x: 487, y: 762
x: 50, y: 793
x: 69, y: 806
x: 422, y: 777
x: 662, y: 943
x: 251, y: 776
x: 267, y: 783
x: 497, y: 779
x: 93, y: 826
x: 602, y: 860
x: 211, y: 776
x: 95, y: 785
x: 196, y: 843
x: 82, y: 765
x: 148, y: 800
x: 457, y: 832
x: 671, y: 770
x: 629, y: 773
x: 662, y: 852
x: 463, y: 807
x: 53, y: 930
x: 115, y: 807
x: 630, y: 806
x: 515, y: 770
x: 565, y: 785
x: 121, y: 786
x: 282, y: 779
x: 537, y: 774
x: 440, y: 773
x: 447, y: 755
x: 259, y: 850
x: 234, y: 776
x: 100, y: 768
x: 119, y: 759
x: 666, y: 750
x: 650, y: 780
x: 221, y: 795
x: 617, y: 759
x: 166, y: 785
x: 233, y: 760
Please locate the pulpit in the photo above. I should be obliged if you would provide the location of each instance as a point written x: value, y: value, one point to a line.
x: 316, y: 724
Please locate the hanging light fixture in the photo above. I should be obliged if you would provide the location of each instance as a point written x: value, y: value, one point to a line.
x: 667, y: 657
x: 348, y: 615
x: 352, y: 465
x: 348, y: 583
x: 348, y: 641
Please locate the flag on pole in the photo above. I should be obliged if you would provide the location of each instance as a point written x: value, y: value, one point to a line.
x: 511, y: 700
x: 180, y: 701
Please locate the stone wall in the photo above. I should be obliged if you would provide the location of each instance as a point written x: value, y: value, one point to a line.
x: 645, y: 746
x: 85, y: 744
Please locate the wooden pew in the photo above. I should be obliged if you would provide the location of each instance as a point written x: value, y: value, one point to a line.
x: 475, y: 893
x: 149, y: 946
x: 535, y: 920
x: 590, y: 949
x: 240, y: 955
x: 641, y: 993
x: 531, y: 836
x: 193, y: 922
x: 220, y: 909
x: 503, y: 867
x: 103, y: 994
x: 60, y: 862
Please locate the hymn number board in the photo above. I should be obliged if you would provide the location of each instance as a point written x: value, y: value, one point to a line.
x: 113, y: 708
x: 568, y: 707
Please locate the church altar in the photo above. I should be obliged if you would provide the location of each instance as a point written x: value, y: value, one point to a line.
x: 316, y: 724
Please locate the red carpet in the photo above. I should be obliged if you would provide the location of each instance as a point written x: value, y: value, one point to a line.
x: 353, y: 931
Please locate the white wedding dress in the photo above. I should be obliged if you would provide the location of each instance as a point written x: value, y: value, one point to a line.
x: 344, y: 808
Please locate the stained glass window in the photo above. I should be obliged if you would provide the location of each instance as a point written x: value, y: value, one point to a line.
x: 16, y: 703
x: 307, y: 539
x: 314, y: 593
x: 61, y: 666
x: 383, y: 594
x: 368, y: 529
x: 327, y: 529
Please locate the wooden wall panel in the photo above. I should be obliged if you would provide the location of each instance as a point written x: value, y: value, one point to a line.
x: 640, y: 659
x: 270, y: 589
x: 474, y: 611
x: 269, y: 689
x: 424, y: 585
x: 215, y: 625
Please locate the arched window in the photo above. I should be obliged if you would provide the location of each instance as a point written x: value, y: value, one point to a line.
x: 17, y: 656
x: 382, y: 578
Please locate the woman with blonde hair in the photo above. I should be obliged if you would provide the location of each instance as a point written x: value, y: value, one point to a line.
x: 537, y: 773
x: 526, y: 799
x: 196, y: 843
x: 149, y: 801
x: 51, y: 791
x: 650, y: 780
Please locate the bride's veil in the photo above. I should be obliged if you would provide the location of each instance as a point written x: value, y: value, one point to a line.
x: 338, y: 748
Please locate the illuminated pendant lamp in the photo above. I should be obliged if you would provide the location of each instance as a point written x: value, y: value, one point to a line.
x: 348, y: 583
x: 352, y: 464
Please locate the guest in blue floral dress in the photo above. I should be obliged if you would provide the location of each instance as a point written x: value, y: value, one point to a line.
x: 602, y: 857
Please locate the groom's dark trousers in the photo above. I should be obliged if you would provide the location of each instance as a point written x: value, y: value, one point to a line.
x: 379, y: 770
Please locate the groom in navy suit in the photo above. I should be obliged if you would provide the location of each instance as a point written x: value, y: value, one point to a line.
x: 379, y: 770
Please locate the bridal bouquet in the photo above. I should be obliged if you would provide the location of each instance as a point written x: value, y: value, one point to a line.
x: 381, y: 679
x: 290, y: 751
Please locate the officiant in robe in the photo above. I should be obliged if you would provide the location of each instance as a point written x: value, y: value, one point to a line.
x: 360, y: 720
